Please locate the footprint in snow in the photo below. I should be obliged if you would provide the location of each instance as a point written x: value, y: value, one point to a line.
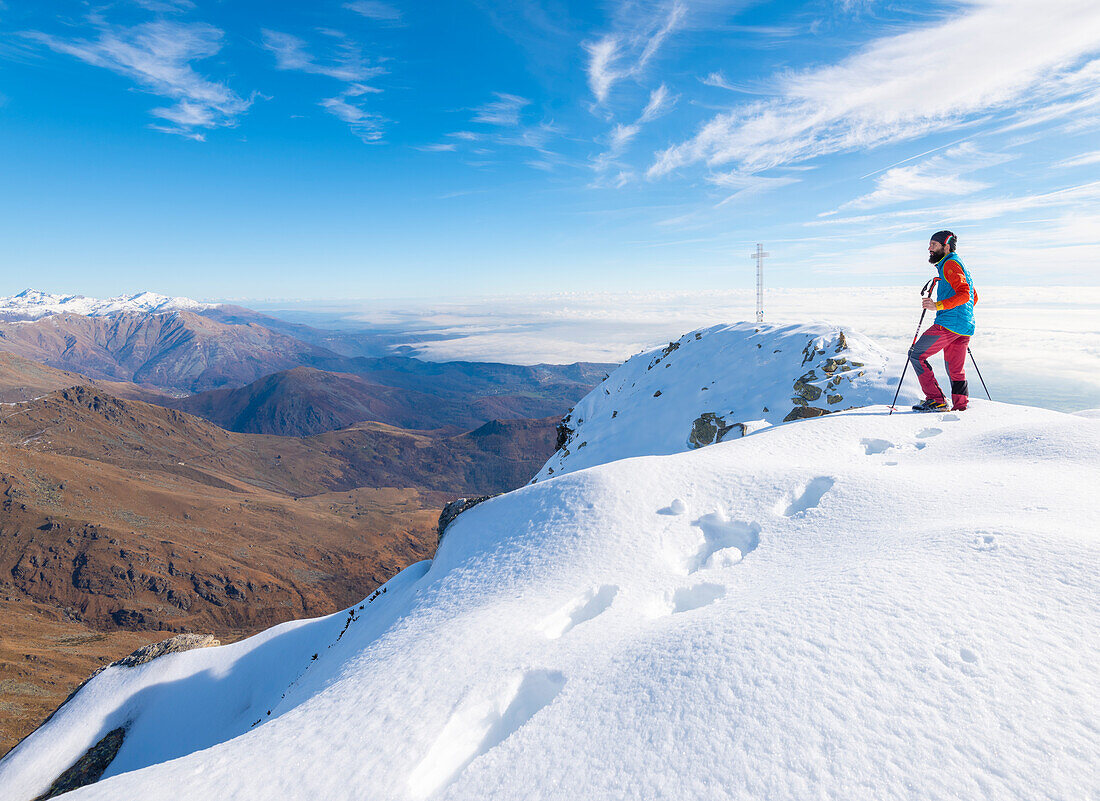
x: 810, y: 496
x: 985, y: 542
x: 686, y: 599
x: 872, y: 446
x: 725, y: 542
x: 483, y: 720
x: 963, y: 658
x: 580, y: 610
x: 929, y: 432
x: 948, y: 418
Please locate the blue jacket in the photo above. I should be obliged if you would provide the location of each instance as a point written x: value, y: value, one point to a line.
x: 955, y: 296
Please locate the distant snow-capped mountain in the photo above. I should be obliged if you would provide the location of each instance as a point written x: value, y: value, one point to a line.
x: 31, y: 304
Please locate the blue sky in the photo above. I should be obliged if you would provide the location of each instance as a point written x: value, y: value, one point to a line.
x: 399, y: 149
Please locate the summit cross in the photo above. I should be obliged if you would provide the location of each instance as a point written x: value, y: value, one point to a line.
x: 759, y: 256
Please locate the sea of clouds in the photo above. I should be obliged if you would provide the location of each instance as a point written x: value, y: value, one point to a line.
x: 1037, y: 346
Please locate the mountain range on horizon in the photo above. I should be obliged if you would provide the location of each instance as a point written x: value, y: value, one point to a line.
x: 254, y: 373
x: 33, y: 304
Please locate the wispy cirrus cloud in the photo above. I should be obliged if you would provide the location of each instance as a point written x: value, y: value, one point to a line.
x: 166, y: 6
x: 938, y: 176
x: 505, y: 110
x: 1084, y: 195
x: 367, y: 126
x: 659, y: 101
x: 345, y: 63
x: 625, y: 52
x: 375, y: 10
x: 505, y: 116
x: 158, y: 57
x: 623, y: 134
x: 1081, y: 160
x: 747, y: 184
x: 910, y: 84
x: 719, y: 81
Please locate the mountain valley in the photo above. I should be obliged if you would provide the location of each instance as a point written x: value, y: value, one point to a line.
x: 124, y: 517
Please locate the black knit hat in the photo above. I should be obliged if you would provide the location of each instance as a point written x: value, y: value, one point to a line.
x: 945, y: 238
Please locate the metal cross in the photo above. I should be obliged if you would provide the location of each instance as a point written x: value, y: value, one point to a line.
x: 759, y: 256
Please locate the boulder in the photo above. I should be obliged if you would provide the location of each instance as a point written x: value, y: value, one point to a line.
x: 807, y: 390
x: 803, y: 413
x: 709, y: 428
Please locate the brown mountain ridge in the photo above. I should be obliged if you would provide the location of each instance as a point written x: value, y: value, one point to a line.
x: 118, y: 517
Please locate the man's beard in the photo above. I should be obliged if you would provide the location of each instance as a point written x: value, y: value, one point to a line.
x: 934, y: 258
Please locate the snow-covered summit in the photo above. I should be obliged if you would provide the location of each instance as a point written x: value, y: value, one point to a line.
x: 30, y: 304
x: 720, y: 383
x: 857, y: 606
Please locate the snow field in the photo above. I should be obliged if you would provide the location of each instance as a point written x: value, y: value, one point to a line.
x: 858, y: 606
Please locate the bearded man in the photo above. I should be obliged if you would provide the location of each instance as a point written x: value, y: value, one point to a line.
x: 952, y: 328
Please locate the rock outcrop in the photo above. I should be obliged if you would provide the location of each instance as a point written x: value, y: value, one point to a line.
x: 452, y: 510
x: 92, y: 763
x: 90, y: 767
x: 173, y: 645
x: 709, y: 428
x: 824, y: 378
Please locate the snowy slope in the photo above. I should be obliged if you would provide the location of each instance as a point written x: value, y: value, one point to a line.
x: 720, y: 383
x: 855, y: 606
x: 30, y: 304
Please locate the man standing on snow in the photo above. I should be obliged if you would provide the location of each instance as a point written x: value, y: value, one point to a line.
x: 953, y: 327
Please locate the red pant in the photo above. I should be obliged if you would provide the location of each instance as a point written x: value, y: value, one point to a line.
x: 954, y: 346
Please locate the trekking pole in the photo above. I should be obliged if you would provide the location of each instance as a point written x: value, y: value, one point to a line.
x: 979, y: 372
x: 924, y: 293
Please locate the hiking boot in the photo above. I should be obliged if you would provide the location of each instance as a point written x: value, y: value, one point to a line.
x: 930, y: 405
x: 959, y: 409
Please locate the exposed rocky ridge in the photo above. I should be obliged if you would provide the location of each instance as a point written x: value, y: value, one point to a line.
x: 716, y: 384
x: 173, y: 645
x: 90, y: 767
